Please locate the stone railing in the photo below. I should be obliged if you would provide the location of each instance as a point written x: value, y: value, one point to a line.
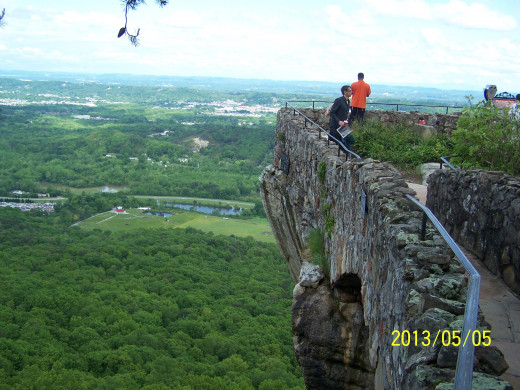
x: 435, y: 123
x: 439, y: 122
x: 481, y: 211
x: 382, y: 278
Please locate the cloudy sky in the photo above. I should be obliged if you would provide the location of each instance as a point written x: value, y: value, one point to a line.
x: 450, y: 44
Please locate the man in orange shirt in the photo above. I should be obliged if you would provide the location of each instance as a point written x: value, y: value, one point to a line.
x: 360, y: 92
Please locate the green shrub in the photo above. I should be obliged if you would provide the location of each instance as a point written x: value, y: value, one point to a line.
x: 487, y: 138
x: 316, y: 244
x: 321, y: 171
x: 399, y: 144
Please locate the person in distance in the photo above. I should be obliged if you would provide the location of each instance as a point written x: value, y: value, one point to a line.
x: 360, y: 91
x: 339, y: 114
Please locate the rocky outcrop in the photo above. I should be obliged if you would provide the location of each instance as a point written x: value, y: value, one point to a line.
x: 378, y: 279
x: 481, y: 211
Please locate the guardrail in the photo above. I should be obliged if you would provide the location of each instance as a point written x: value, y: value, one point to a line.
x: 464, y: 368
x: 369, y: 103
x: 445, y: 160
x: 340, y: 144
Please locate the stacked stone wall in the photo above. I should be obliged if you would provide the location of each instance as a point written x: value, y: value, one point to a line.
x: 481, y: 211
x: 371, y: 233
x: 441, y: 123
x: 436, y: 123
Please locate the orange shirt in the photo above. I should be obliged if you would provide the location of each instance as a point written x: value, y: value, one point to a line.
x: 360, y: 92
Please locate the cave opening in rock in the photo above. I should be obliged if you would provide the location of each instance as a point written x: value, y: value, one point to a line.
x: 348, y: 288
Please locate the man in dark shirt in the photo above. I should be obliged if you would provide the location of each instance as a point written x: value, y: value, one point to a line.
x: 339, y: 112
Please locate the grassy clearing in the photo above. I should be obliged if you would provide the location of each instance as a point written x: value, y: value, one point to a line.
x: 258, y: 228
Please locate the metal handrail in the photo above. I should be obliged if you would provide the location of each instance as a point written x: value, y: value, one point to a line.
x: 347, y: 151
x: 445, y: 160
x: 307, y: 101
x: 464, y: 368
x: 380, y: 104
x: 413, y: 105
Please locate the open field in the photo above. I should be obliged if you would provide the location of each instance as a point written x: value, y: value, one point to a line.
x: 133, y: 219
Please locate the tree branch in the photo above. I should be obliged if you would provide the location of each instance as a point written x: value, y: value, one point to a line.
x: 132, y: 5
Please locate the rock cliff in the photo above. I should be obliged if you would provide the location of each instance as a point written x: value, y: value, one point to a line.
x: 378, y: 279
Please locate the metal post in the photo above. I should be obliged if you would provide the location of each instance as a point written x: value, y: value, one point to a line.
x: 423, y: 226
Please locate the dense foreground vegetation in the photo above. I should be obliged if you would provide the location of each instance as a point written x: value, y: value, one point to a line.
x: 399, y: 145
x: 485, y: 138
x: 174, y: 308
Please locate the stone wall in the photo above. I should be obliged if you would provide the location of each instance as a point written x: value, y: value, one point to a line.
x: 481, y: 211
x: 380, y: 276
x: 435, y: 123
x: 442, y: 123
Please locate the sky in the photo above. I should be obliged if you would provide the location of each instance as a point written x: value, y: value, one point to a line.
x: 447, y: 44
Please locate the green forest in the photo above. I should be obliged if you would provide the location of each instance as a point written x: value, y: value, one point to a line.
x: 128, y: 307
x: 151, y: 148
x: 167, y: 309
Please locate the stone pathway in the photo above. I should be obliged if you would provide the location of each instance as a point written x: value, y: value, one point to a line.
x: 500, y: 306
x: 421, y: 191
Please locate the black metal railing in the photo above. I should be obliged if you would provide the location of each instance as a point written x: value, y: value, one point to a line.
x: 371, y: 103
x: 341, y: 146
x: 464, y: 368
x: 414, y: 105
x: 446, y: 161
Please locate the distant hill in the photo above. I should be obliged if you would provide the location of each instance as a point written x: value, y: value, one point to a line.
x: 316, y: 88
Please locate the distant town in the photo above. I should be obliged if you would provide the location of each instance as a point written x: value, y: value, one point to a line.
x: 46, y: 207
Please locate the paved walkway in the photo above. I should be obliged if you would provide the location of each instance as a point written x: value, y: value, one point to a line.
x: 500, y: 306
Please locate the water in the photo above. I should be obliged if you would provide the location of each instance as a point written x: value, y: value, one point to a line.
x: 109, y: 190
x: 161, y: 214
x: 205, y: 209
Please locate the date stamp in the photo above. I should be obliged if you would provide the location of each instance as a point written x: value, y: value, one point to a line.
x: 425, y: 338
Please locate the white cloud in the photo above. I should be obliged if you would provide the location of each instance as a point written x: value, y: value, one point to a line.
x: 182, y: 18
x: 455, y: 12
x: 433, y: 35
x: 404, y: 8
x: 475, y: 15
